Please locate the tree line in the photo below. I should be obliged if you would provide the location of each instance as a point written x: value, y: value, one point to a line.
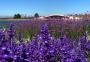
x: 19, y: 16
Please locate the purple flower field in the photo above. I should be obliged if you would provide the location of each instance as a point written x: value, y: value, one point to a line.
x: 71, y: 28
x: 43, y: 47
x: 44, y: 31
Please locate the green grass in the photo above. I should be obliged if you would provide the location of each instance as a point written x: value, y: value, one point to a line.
x: 31, y: 33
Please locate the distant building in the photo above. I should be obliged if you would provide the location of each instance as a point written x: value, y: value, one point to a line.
x: 74, y: 18
x: 57, y: 17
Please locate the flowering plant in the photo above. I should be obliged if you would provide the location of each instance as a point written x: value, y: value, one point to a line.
x: 42, y: 48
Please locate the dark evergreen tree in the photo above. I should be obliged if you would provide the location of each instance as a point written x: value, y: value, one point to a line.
x: 36, y: 15
x: 17, y: 16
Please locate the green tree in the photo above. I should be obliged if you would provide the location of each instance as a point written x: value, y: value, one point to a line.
x: 36, y: 15
x: 17, y: 16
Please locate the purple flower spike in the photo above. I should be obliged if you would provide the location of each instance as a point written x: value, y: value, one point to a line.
x: 88, y: 46
x: 44, y: 29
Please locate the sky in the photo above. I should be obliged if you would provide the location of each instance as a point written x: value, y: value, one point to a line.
x: 43, y: 7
